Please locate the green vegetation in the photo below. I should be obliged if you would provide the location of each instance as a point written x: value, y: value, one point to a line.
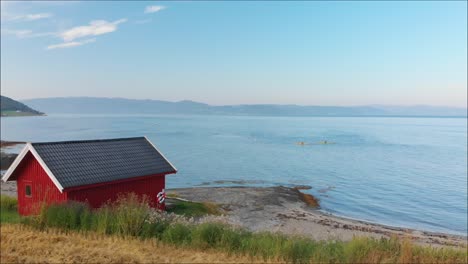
x: 8, y: 209
x: 15, y: 113
x: 132, y: 217
x: 10, y: 107
x: 193, y: 209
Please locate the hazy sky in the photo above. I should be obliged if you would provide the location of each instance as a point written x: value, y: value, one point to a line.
x: 310, y: 53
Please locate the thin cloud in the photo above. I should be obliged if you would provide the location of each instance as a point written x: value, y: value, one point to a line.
x: 70, y: 44
x: 153, y: 9
x: 26, y: 33
x: 17, y: 33
x: 29, y: 17
x: 95, y: 28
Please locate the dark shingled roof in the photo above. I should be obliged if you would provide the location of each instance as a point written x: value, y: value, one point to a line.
x: 77, y: 163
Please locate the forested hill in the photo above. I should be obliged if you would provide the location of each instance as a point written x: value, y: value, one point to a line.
x: 10, y: 107
x: 95, y: 105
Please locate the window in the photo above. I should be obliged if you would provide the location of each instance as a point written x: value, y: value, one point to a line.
x: 28, y: 191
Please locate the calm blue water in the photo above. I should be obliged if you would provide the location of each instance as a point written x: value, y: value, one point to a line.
x: 409, y: 172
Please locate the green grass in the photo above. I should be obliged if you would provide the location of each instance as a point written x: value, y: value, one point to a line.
x: 66, y: 216
x: 8, y: 203
x: 193, y: 209
x: 14, y: 113
x: 129, y: 217
x: 8, y: 210
x: 9, y: 217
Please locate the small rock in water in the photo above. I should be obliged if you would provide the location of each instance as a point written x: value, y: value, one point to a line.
x: 302, y: 187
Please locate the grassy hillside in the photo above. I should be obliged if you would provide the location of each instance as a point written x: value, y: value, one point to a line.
x: 10, y: 107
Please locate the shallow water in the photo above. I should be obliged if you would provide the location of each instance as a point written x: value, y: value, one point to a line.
x: 409, y: 172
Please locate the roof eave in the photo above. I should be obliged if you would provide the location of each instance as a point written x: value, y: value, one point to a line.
x: 172, y: 165
x: 93, y: 185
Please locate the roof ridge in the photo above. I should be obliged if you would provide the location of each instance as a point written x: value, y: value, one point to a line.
x: 85, y: 141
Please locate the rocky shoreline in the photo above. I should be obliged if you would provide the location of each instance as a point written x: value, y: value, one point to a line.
x: 282, y: 209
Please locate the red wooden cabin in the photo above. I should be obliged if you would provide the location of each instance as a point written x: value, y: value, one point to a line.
x: 92, y: 171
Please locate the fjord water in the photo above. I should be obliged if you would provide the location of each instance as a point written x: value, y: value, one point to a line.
x: 408, y: 172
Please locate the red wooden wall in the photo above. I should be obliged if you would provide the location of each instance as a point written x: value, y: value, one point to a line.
x: 97, y: 195
x: 43, y: 190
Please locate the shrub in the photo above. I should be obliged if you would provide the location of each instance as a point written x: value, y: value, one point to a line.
x: 130, y: 214
x: 86, y: 220
x: 9, y: 209
x: 8, y: 203
x: 233, y: 240
x: 65, y: 215
x: 299, y: 250
x: 208, y: 235
x: 267, y: 245
x: 178, y: 234
x: 103, y: 222
x: 154, y: 230
x: 357, y: 250
x: 330, y: 252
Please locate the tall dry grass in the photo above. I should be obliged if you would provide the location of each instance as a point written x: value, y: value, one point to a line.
x: 23, y: 244
x: 26, y: 244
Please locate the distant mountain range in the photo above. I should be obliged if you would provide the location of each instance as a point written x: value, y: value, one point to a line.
x: 94, y: 105
x: 10, y: 107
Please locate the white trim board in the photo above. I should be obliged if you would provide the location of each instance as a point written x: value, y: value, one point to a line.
x: 16, y: 162
x: 20, y: 157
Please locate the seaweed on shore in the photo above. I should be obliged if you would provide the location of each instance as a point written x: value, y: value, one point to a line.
x: 309, y: 199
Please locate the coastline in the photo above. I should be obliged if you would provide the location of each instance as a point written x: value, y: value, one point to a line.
x: 279, y: 209
x: 20, y: 114
x: 282, y: 209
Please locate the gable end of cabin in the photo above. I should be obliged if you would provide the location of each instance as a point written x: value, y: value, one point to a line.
x: 34, y: 186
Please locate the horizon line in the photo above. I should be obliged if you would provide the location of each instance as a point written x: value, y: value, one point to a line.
x: 246, y: 104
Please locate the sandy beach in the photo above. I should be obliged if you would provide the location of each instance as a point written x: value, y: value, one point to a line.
x: 281, y: 209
